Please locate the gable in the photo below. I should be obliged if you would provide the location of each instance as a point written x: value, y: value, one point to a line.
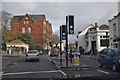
x: 104, y: 27
x: 40, y: 17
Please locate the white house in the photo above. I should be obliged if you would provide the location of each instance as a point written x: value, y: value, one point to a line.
x: 17, y: 47
x: 94, y: 37
x: 115, y: 31
x: 81, y: 37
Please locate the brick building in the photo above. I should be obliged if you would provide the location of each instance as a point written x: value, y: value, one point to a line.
x: 36, y: 25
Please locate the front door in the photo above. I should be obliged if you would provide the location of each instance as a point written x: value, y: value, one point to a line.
x: 93, y: 46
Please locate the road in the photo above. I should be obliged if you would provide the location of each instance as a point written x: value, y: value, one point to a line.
x: 33, y: 69
x: 46, y: 69
x: 92, y: 70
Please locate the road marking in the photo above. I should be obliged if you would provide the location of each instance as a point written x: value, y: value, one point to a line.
x: 62, y: 72
x: 103, y: 71
x: 31, y: 72
x: 49, y: 59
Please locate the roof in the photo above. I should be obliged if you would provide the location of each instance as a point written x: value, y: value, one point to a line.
x: 104, y: 27
x: 114, y: 17
x: 16, y: 42
x: 17, y: 18
x: 39, y: 17
x: 88, y: 27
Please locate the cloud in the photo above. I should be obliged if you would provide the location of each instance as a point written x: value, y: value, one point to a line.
x: 85, y: 13
x: 28, y: 5
x: 60, y: 0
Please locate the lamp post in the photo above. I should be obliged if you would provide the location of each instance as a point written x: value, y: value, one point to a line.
x: 107, y: 42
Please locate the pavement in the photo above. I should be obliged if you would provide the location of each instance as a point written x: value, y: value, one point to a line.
x: 56, y: 62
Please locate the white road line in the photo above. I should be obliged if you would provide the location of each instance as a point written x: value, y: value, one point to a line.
x: 49, y: 59
x: 30, y: 72
x: 103, y: 71
x: 62, y: 72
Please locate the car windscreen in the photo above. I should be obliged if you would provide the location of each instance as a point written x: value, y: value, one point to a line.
x: 117, y: 52
x: 54, y: 51
x: 32, y: 51
x: 74, y: 51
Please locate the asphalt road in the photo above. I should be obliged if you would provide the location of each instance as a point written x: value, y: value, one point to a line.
x: 92, y: 70
x: 33, y: 69
x: 46, y: 69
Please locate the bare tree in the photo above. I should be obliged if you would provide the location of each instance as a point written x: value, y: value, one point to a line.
x: 5, y: 19
x: 55, y: 38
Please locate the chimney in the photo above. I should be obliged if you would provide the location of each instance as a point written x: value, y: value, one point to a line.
x: 96, y: 25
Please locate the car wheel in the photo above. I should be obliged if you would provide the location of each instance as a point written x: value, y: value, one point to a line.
x: 38, y: 60
x: 99, y: 64
x: 26, y: 60
x: 114, y: 67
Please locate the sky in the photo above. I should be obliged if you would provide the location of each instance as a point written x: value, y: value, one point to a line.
x: 85, y: 13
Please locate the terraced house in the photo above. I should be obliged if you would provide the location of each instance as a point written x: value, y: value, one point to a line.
x: 36, y: 25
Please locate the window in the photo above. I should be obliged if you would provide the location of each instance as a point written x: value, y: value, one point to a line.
x: 27, y: 22
x: 24, y: 22
x: 114, y: 28
x: 109, y: 52
x: 104, y: 52
x: 87, y: 43
x: 44, y: 31
x: 100, y: 36
x: 23, y: 30
x: 29, y: 30
x: 104, y: 42
x: 26, y: 17
x: 105, y: 36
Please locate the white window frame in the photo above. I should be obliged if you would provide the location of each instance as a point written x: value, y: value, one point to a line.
x: 29, y: 29
x: 23, y: 29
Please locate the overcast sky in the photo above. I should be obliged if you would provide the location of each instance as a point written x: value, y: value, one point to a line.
x: 85, y: 13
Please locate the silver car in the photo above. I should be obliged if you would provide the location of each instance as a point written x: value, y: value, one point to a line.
x: 32, y: 55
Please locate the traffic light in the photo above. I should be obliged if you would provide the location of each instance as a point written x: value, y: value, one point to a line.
x: 71, y: 24
x: 63, y: 32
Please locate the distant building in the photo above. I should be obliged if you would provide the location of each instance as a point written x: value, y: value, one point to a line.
x: 36, y: 25
x: 17, y: 47
x: 115, y: 31
x: 81, y: 37
x: 94, y: 38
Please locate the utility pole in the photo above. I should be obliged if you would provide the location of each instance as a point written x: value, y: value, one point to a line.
x: 60, y: 45
x: 66, y: 41
x: 107, y: 41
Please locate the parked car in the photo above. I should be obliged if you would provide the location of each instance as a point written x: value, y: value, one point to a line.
x: 53, y: 53
x: 32, y: 55
x: 110, y: 57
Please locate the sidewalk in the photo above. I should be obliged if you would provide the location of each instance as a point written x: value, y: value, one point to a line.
x: 11, y: 55
x: 56, y: 62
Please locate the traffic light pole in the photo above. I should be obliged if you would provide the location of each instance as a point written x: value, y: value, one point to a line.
x: 60, y: 45
x: 66, y: 41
